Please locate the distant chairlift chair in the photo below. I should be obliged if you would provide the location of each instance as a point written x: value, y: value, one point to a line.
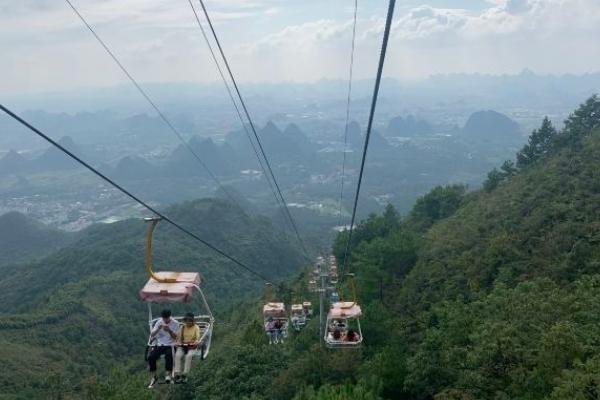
x: 298, y: 317
x: 275, y: 312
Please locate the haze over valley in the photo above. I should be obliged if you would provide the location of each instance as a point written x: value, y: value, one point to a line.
x: 469, y: 127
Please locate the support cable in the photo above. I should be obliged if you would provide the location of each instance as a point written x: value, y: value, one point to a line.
x: 237, y: 110
x: 347, y: 112
x: 130, y: 195
x: 386, y: 35
x: 252, y: 127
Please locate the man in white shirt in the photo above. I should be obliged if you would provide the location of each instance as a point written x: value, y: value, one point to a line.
x: 165, y: 332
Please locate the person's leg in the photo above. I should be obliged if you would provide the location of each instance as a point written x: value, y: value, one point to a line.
x: 168, y: 351
x: 152, y: 358
x: 188, y: 362
x: 178, y: 356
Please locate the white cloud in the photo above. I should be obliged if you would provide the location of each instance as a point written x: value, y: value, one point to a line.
x: 507, y: 36
x: 45, y: 46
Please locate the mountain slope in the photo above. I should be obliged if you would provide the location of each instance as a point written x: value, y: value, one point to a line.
x: 82, y: 301
x: 24, y: 239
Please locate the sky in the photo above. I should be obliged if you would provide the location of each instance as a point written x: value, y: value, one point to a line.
x: 46, y: 48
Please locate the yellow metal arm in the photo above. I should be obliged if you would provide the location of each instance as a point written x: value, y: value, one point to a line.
x: 148, y: 258
x: 352, y: 289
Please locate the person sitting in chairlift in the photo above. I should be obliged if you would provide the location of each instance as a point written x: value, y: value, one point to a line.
x: 271, y: 330
x: 351, y: 336
x: 336, y: 334
x: 296, y: 322
x: 165, y: 332
x: 278, y: 331
x: 188, y: 339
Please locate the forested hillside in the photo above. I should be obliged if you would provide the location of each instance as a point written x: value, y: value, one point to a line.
x: 76, y: 313
x: 492, y: 294
x: 24, y: 239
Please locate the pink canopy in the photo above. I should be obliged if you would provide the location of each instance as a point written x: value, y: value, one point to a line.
x: 345, y: 309
x: 180, y: 291
x: 297, y: 307
x: 274, y: 310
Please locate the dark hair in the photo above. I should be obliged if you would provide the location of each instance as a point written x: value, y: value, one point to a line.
x: 166, y: 313
x: 351, y: 335
x: 189, y: 317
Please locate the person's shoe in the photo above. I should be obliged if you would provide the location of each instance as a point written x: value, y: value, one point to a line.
x: 177, y: 378
x: 184, y: 379
x: 168, y: 378
x: 152, y: 382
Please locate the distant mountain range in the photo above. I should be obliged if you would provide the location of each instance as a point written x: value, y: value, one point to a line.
x: 525, y: 89
x: 287, y: 149
x: 408, y: 127
x: 52, y: 159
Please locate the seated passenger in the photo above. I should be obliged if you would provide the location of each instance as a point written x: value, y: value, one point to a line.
x: 351, y: 336
x: 165, y: 333
x: 296, y: 322
x: 278, y: 331
x: 337, y: 334
x: 271, y: 331
x: 188, y: 339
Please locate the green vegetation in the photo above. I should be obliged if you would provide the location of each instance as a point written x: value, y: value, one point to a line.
x: 492, y: 294
x: 74, y: 315
x: 24, y: 239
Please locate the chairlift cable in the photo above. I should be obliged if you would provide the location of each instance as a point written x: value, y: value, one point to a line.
x: 152, y: 103
x: 384, y: 44
x: 253, y: 128
x: 237, y: 110
x: 130, y: 195
x: 347, y: 112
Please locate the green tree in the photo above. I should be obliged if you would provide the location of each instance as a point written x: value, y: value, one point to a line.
x: 539, y: 144
x: 439, y: 203
x: 494, y: 179
x: 585, y: 119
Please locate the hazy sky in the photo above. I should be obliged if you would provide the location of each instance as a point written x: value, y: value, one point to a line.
x: 45, y: 47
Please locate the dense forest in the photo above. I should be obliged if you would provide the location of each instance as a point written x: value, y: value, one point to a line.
x: 488, y: 294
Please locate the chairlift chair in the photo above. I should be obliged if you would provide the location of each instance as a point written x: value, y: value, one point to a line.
x: 168, y: 287
x: 298, y: 316
x: 275, y: 311
x: 307, y: 307
x: 343, y: 318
